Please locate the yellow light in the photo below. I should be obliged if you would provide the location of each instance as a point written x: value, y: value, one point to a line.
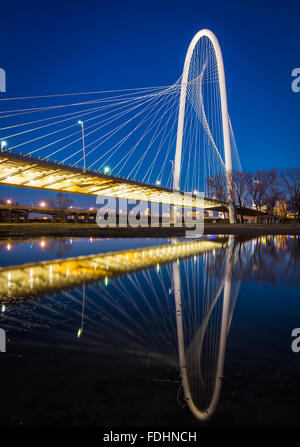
x: 43, y: 204
x: 9, y: 201
x: 8, y: 246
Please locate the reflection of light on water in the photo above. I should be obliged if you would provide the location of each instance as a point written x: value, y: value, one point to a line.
x: 43, y: 244
x: 8, y: 246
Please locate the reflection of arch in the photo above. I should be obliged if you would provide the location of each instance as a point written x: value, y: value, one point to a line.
x: 227, y: 310
x: 141, y: 318
x: 224, y: 109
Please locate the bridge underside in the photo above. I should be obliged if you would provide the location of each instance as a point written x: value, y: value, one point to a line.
x: 28, y: 172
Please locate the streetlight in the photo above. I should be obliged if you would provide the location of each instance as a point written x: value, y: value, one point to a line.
x: 172, y: 163
x: 9, y: 201
x: 83, y: 145
x: 43, y: 204
x: 3, y: 144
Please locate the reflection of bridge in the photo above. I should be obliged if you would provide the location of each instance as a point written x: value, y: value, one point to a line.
x: 179, y: 313
x: 44, y: 277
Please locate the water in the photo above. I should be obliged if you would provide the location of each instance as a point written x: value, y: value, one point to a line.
x: 180, y: 335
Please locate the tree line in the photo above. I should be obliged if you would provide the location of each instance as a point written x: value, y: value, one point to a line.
x: 274, y: 191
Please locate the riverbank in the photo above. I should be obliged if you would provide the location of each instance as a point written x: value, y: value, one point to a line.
x: 15, y: 231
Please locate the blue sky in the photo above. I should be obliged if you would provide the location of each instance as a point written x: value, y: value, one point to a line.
x: 63, y: 46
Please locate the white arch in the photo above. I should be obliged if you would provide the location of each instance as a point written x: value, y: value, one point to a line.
x: 224, y: 110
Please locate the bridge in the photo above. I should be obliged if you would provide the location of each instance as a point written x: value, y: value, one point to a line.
x: 28, y: 172
x: 20, y: 213
x: 165, y: 143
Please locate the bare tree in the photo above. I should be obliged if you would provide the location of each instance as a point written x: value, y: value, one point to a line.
x: 262, y: 188
x: 61, y: 202
x: 239, y: 191
x: 217, y: 187
x: 291, y: 181
x: 273, y: 192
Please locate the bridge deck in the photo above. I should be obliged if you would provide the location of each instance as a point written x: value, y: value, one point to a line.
x: 28, y: 172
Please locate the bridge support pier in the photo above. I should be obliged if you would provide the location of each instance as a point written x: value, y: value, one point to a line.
x: 231, y: 213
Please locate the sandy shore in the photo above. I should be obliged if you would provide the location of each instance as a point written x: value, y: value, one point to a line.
x: 92, y: 230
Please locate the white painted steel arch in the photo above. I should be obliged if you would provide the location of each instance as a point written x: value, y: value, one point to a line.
x: 224, y: 110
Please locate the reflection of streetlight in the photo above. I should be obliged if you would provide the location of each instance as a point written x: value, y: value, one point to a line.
x: 80, y: 330
x: 3, y: 144
x: 43, y: 204
x: 83, y: 145
x: 106, y: 170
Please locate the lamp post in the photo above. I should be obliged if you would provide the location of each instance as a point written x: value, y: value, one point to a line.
x: 83, y: 145
x: 173, y: 209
